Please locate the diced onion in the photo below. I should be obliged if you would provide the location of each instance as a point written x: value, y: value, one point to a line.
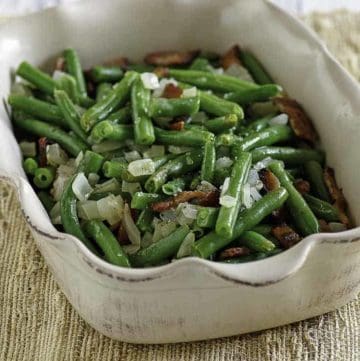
x: 205, y: 186
x: 28, y: 149
x: 281, y: 119
x: 133, y: 155
x: 112, y: 185
x: 130, y: 187
x: 263, y: 163
x: 225, y: 186
x: 79, y: 158
x: 111, y: 208
x: 239, y: 71
x: 81, y: 187
x: 55, y: 155
x: 132, y: 231
x: 55, y: 215
x: 255, y: 195
x: 58, y: 186
x: 253, y: 177
x: 58, y: 74
x: 189, y: 211
x: 141, y: 167
x: 218, y: 71
x: 185, y: 248
x: 88, y: 210
x: 189, y: 92
x: 162, y: 84
x: 154, y: 151
x: 259, y: 185
x: 168, y: 215
x: 227, y: 201
x: 337, y: 227
x: 176, y: 149
x: 186, y: 213
x: 93, y: 178
x: 223, y: 162
x: 162, y: 229
x: 150, y: 80
x: 247, y: 201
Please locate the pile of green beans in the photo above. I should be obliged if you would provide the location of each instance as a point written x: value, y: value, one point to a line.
x: 146, y: 165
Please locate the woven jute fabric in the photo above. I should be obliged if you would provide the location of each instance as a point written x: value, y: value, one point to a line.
x: 37, y: 322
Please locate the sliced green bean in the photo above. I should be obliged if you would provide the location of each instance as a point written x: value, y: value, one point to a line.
x: 102, y: 90
x: 141, y: 200
x: 263, y: 229
x: 322, y: 209
x: 114, y: 169
x: 174, y: 186
x: 256, y: 242
x: 90, y: 163
x: 121, y: 116
x: 44, y: 177
x: 206, y: 217
x: 247, y: 96
x: 163, y: 107
x: 144, y: 221
x: 191, y: 137
x: 255, y: 68
x: 109, y: 74
x: 208, y: 163
x: 107, y: 130
x: 221, y: 124
x: 201, y: 64
x: 315, y: 175
x: 30, y: 165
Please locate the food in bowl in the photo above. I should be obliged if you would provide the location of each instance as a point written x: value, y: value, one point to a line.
x: 188, y: 154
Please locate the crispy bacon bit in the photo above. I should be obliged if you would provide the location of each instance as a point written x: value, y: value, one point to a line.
x: 90, y: 87
x: 302, y: 186
x: 234, y: 252
x: 122, y: 236
x: 172, y: 91
x: 177, y: 125
x: 324, y: 226
x: 231, y: 57
x: 336, y: 195
x: 299, y: 120
x: 60, y: 63
x: 120, y: 61
x: 285, y: 235
x: 279, y: 215
x: 42, y: 143
x: 269, y: 180
x: 211, y: 199
x: 161, y: 72
x: 168, y: 58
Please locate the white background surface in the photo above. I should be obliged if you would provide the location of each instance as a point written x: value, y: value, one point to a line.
x: 13, y: 7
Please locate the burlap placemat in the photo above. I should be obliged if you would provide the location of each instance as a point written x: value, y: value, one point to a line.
x: 37, y: 323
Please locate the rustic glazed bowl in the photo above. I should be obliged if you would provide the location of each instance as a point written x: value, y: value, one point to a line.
x: 195, y: 299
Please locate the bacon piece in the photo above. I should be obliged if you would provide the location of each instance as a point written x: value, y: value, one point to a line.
x: 120, y: 61
x: 279, y: 216
x: 172, y: 91
x: 121, y: 235
x: 299, y: 120
x: 211, y: 199
x: 231, y: 57
x: 60, y: 63
x: 285, y: 235
x: 269, y: 180
x: 161, y: 72
x: 302, y: 186
x: 324, y: 226
x: 42, y: 143
x: 177, y: 125
x: 168, y: 58
x: 336, y: 195
x: 234, y: 252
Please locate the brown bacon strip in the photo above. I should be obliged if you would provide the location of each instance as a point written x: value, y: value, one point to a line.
x: 177, y: 125
x: 168, y: 58
x: 234, y: 252
x: 60, y: 63
x: 211, y: 199
x: 324, y: 226
x: 269, y: 180
x: 336, y: 195
x: 120, y: 61
x: 172, y: 91
x: 285, y: 235
x: 231, y: 57
x: 42, y: 143
x: 161, y: 72
x: 299, y: 120
x: 302, y: 186
x: 122, y: 236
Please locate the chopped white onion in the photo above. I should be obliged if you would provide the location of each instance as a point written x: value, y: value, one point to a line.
x: 227, y: 201
x: 247, y: 201
x: 253, y: 177
x: 337, y: 227
x: 58, y: 74
x: 189, y: 211
x: 255, y: 195
x: 168, y: 215
x: 88, y: 210
x: 150, y: 80
x: 58, y: 186
x: 223, y: 162
x: 132, y: 231
x: 185, y: 248
x: 141, y: 167
x: 259, y: 185
x: 199, y: 118
x: 55, y: 214
x: 218, y: 71
x: 55, y: 155
x: 93, y: 178
x: 79, y: 158
x: 28, y: 149
x: 162, y: 229
x: 111, y: 208
x: 112, y: 185
x: 189, y: 92
x: 81, y: 187
x: 239, y: 71
x: 154, y: 151
x: 175, y: 149
x: 106, y: 146
x: 162, y: 84
x: 133, y: 155
x: 205, y: 186
x: 225, y: 186
x: 186, y: 216
x: 263, y: 163
x: 281, y: 119
x: 130, y: 187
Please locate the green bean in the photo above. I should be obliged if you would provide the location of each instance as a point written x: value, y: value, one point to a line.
x: 67, y: 83
x: 107, y: 242
x: 121, y: 116
x: 247, y: 96
x: 290, y: 156
x: 259, y: 124
x: 44, y: 177
x: 102, y: 90
x: 256, y: 70
x: 196, y: 180
x: 215, y: 105
x: 107, y: 130
x: 114, y: 169
x: 46, y: 200
x: 206, y: 80
x: 174, y: 186
x: 220, y: 174
x: 322, y: 209
x: 42, y: 129
x: 302, y: 215
x: 208, y: 163
x: 140, y: 68
x: 247, y: 220
x: 161, y: 250
x: 228, y: 214
x: 140, y: 101
x: 37, y: 108
x: 30, y: 165
x: 191, y: 137
x: 115, y: 99
x: 221, y: 124
x: 110, y: 74
x: 175, y: 167
x: 90, y: 163
x: 163, y: 107
x: 70, y: 113
x: 141, y: 200
x: 144, y: 221
x: 315, y: 175
x: 294, y: 172
x: 262, y: 109
x: 256, y: 242
x: 263, y: 229
x: 74, y: 68
x: 38, y: 78
x: 268, y: 136
x: 206, y: 217
x: 202, y: 64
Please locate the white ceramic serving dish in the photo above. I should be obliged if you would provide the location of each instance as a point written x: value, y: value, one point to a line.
x: 195, y: 299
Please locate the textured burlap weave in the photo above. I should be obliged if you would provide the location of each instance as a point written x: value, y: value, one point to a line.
x: 37, y: 323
